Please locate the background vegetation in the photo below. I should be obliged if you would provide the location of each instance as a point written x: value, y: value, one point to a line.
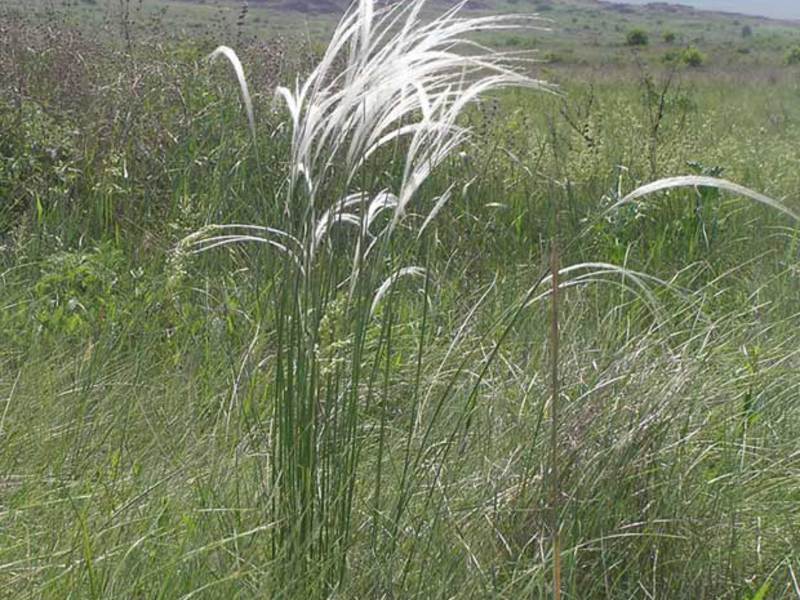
x: 140, y: 384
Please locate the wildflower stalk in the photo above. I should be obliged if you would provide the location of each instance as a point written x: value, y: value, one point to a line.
x: 555, y: 490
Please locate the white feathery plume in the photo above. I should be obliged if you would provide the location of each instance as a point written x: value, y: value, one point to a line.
x: 702, y: 181
x: 391, y: 280
x: 239, y: 70
x: 403, y: 78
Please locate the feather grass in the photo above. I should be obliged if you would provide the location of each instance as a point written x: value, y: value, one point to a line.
x: 388, y: 81
x: 696, y: 181
x: 233, y: 59
x: 403, y: 79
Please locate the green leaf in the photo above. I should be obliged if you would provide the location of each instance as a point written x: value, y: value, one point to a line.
x: 762, y: 592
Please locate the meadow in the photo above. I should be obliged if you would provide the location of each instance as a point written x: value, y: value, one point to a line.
x: 237, y: 362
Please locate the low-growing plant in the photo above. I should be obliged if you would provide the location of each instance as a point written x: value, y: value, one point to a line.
x: 793, y: 56
x: 692, y: 57
x: 37, y: 155
x: 637, y: 37
x: 78, y: 291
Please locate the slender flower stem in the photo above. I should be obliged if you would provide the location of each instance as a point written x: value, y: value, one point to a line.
x: 554, y: 477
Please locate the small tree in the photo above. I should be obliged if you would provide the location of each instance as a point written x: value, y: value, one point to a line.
x: 692, y: 57
x: 637, y: 37
x: 747, y: 31
x: 793, y: 56
x: 669, y: 37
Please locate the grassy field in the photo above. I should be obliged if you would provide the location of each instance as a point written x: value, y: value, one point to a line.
x: 362, y: 406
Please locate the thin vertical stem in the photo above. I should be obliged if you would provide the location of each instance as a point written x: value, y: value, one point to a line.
x: 554, y: 477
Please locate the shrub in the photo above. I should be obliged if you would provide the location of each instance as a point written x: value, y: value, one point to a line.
x: 637, y: 37
x: 669, y: 37
x: 793, y: 56
x: 671, y: 57
x: 37, y: 152
x: 692, y: 57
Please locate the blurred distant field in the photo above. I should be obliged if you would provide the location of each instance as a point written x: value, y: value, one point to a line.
x: 583, y: 32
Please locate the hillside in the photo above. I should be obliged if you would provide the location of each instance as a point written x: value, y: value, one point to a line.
x: 776, y: 9
x: 326, y: 6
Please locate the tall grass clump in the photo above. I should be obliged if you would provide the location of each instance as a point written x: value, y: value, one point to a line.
x: 370, y: 124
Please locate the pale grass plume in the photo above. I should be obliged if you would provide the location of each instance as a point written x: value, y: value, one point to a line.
x: 390, y: 281
x: 638, y: 283
x: 702, y: 181
x: 233, y: 58
x: 357, y: 210
x: 405, y: 80
x: 236, y: 233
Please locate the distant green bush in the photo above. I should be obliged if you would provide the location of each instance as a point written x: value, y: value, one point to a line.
x: 793, y: 56
x: 517, y: 41
x: 669, y: 37
x: 670, y: 57
x: 692, y: 57
x: 553, y: 57
x: 637, y: 37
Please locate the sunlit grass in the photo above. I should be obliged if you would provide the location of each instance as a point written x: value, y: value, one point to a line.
x: 357, y: 403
